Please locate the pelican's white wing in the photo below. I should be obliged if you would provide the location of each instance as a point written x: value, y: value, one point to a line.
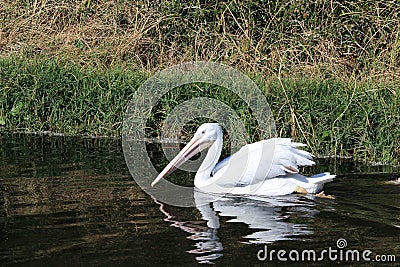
x: 262, y: 160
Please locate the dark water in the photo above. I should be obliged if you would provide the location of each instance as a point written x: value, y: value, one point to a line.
x: 72, y: 202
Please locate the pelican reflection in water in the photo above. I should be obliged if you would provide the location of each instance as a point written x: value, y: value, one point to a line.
x: 268, y: 219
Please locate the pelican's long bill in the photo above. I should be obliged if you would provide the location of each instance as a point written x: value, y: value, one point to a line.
x: 192, y: 148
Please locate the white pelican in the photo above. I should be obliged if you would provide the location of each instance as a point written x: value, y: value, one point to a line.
x: 265, y: 168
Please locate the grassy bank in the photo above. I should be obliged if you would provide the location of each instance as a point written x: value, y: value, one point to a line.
x: 41, y: 95
x: 332, y: 117
x: 330, y: 70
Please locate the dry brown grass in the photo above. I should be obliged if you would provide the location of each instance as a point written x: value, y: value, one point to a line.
x: 336, y: 37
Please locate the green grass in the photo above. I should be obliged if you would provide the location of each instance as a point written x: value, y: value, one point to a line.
x: 359, y: 120
x: 332, y: 117
x: 43, y: 95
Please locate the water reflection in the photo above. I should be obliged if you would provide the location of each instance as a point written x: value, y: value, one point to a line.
x: 72, y: 202
x: 268, y: 219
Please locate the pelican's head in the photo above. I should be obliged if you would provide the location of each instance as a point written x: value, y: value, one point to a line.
x: 204, y: 137
x: 208, y: 132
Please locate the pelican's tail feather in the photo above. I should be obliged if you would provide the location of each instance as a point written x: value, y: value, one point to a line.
x: 316, y: 182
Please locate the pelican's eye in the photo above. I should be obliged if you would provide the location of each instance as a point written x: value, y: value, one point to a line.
x: 203, y: 132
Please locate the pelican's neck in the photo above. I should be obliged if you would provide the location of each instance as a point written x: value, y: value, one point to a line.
x: 204, y: 173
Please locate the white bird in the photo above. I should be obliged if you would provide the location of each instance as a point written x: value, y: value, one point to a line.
x: 265, y: 168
